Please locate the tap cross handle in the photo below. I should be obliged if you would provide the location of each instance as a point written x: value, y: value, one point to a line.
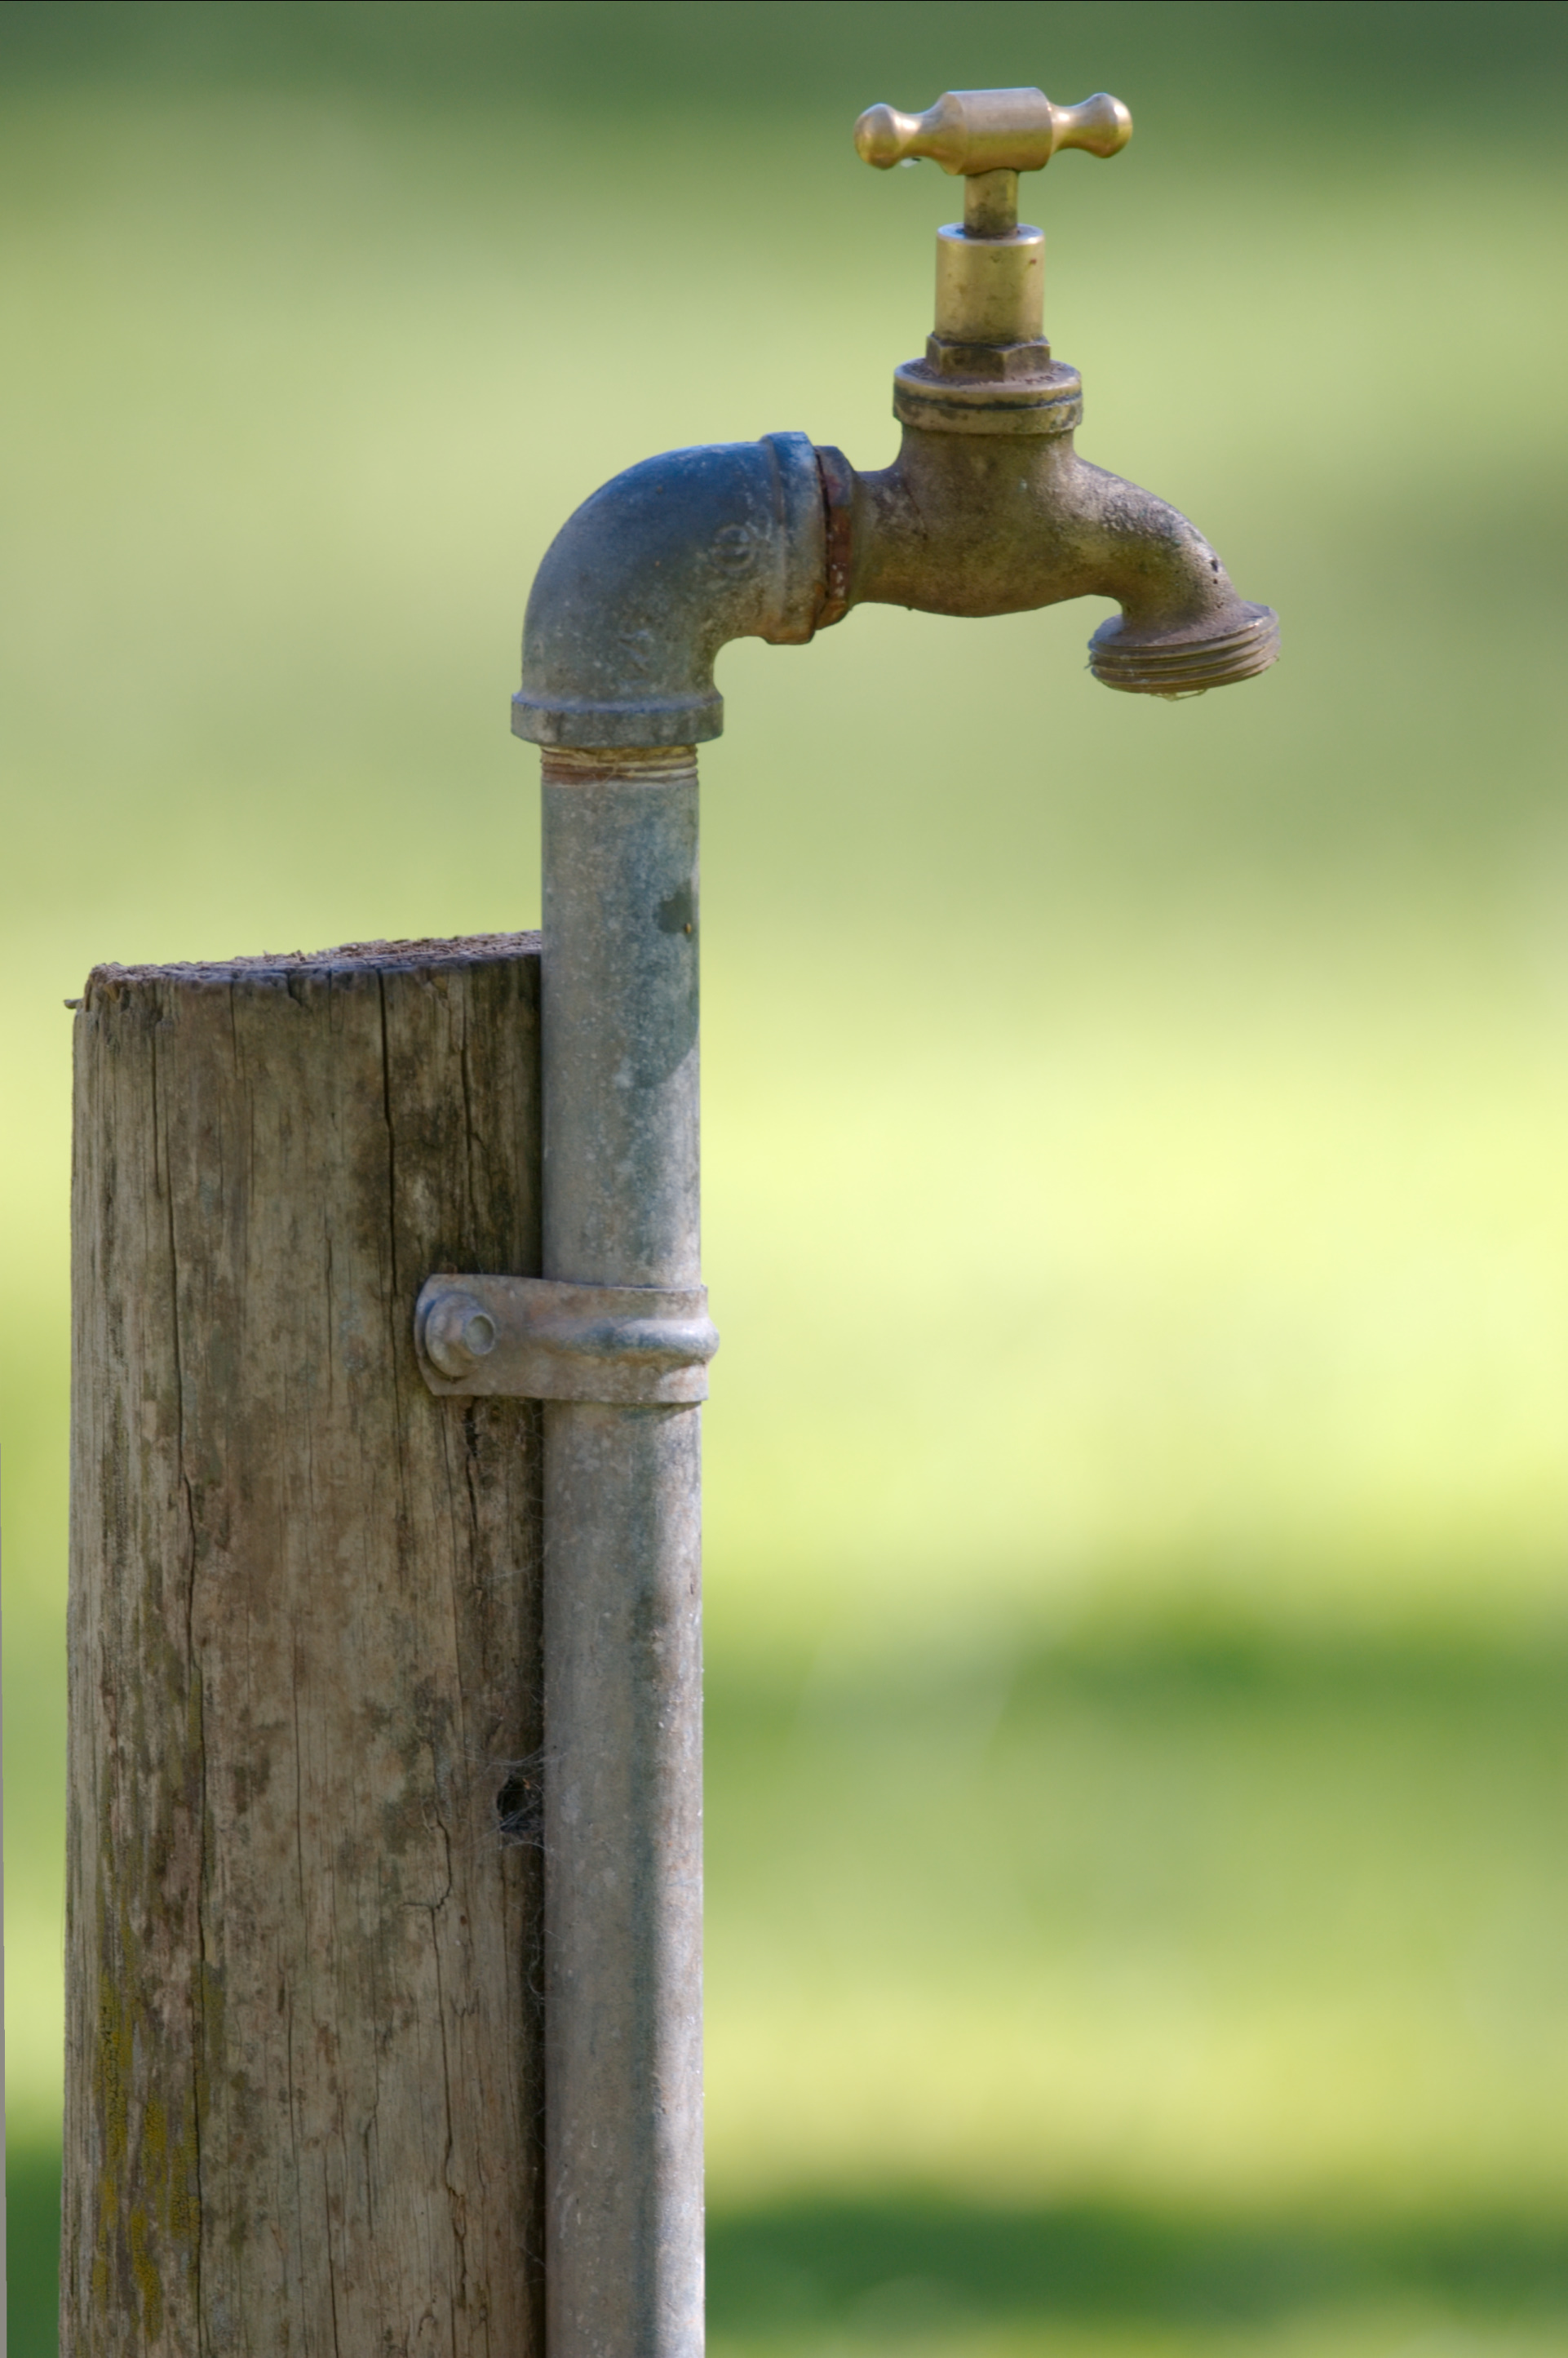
x: 975, y: 131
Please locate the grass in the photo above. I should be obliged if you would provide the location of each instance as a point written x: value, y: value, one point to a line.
x: 32, y: 2241
x: 1114, y: 2278
x: 1203, y: 1920
x: 1135, y: 1137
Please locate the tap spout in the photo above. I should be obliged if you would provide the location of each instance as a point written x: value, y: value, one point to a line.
x: 1000, y: 524
x: 653, y: 575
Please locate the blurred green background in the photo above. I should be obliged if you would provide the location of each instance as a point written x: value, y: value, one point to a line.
x: 1137, y: 1135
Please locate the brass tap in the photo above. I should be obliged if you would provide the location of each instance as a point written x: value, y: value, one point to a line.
x: 988, y: 509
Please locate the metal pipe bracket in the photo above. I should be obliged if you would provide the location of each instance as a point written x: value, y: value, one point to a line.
x: 544, y: 1338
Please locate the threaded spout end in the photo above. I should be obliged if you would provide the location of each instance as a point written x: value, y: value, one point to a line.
x: 1184, y: 662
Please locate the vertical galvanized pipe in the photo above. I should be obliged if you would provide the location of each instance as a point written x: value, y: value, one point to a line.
x: 622, y: 1629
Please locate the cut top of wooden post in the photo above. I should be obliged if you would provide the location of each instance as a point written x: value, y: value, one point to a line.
x: 303, y: 2079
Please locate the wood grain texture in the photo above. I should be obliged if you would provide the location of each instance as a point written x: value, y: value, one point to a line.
x: 304, y: 2094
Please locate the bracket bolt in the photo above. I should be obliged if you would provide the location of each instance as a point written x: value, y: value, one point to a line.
x: 458, y: 1331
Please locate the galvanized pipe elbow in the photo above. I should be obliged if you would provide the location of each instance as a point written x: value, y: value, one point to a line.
x: 653, y: 575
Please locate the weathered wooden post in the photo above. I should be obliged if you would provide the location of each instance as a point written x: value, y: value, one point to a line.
x: 304, y: 2072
